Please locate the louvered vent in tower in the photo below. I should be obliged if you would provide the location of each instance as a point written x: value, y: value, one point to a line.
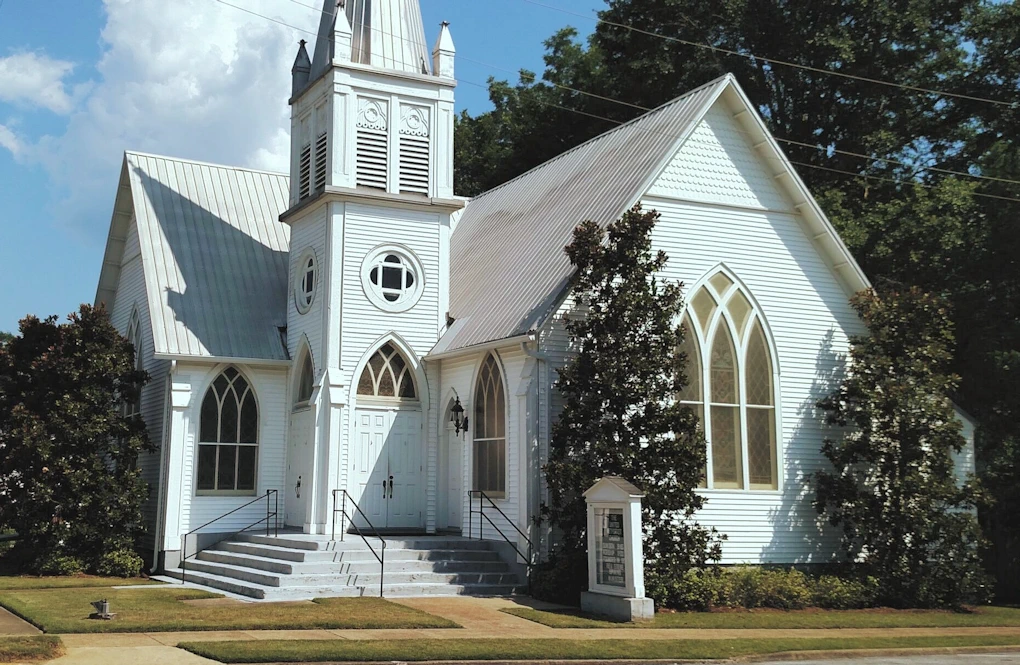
x: 320, y: 161
x: 373, y: 144
x: 415, y: 152
x: 305, y: 172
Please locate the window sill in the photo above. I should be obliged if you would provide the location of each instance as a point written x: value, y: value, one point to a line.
x: 735, y: 490
x: 226, y: 493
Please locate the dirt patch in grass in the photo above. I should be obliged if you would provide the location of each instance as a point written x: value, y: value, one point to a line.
x: 151, y: 610
x: 30, y: 649
x: 317, y: 651
x: 785, y: 619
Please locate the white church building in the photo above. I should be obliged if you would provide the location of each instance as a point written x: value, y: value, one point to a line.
x: 354, y: 334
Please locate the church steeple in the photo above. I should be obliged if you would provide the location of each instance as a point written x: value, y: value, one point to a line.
x: 387, y: 34
x: 301, y: 70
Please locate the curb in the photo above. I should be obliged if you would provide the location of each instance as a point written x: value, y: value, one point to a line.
x: 790, y: 656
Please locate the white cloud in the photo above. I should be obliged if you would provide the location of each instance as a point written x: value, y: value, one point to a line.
x: 11, y: 142
x: 37, y: 80
x: 189, y: 78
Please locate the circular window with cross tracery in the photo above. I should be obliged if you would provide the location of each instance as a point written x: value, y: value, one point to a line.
x: 392, y: 279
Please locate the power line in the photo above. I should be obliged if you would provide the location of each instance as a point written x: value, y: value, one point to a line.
x: 598, y: 117
x: 824, y: 149
x: 773, y: 61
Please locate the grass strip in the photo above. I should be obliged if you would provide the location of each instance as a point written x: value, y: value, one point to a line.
x: 30, y: 649
x: 11, y: 582
x: 162, y: 610
x: 884, y: 618
x: 317, y: 651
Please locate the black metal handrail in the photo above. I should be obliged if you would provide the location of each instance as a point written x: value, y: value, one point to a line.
x: 381, y: 558
x: 482, y: 496
x: 270, y: 519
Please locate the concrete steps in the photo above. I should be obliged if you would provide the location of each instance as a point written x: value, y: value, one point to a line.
x: 298, y: 566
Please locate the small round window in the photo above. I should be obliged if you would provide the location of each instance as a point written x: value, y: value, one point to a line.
x: 392, y: 279
x: 304, y: 287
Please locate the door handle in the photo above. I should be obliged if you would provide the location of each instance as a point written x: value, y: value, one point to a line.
x: 391, y: 487
x: 384, y: 489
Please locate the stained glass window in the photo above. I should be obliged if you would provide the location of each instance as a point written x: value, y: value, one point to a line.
x: 228, y: 436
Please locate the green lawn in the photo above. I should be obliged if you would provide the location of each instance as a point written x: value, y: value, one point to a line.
x: 884, y: 618
x: 311, y: 651
x: 29, y: 649
x: 144, y: 610
x: 76, y: 581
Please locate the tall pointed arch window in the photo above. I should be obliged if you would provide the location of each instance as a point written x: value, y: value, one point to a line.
x: 731, y: 386
x: 489, y: 435
x: 387, y: 374
x: 228, y: 436
x: 134, y: 336
x: 306, y: 381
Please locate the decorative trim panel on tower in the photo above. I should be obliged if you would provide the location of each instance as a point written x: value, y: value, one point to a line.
x: 415, y: 151
x: 373, y: 143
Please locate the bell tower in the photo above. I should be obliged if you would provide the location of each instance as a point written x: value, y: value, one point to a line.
x: 373, y: 108
x: 371, y: 201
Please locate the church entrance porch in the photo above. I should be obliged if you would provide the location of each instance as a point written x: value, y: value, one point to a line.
x: 387, y: 470
x: 299, y: 566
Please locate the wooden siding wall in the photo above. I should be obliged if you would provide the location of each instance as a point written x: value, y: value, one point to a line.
x: 308, y: 233
x: 270, y: 386
x: 131, y: 295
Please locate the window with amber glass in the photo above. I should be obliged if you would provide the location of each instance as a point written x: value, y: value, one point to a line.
x: 387, y: 374
x: 228, y: 436
x: 731, y: 386
x: 489, y: 425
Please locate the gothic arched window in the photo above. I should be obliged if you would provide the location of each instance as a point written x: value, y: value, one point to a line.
x: 306, y: 381
x: 490, y: 430
x: 731, y: 386
x: 134, y: 335
x: 228, y: 436
x: 387, y: 374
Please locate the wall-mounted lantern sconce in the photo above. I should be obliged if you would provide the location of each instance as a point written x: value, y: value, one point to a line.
x: 460, y: 422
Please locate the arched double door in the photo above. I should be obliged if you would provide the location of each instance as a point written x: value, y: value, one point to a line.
x: 387, y: 451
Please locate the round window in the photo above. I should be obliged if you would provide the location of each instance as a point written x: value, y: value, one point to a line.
x: 392, y: 279
x: 304, y: 284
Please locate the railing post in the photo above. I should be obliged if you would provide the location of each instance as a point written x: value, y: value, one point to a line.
x: 332, y: 520
x: 184, y: 556
x: 276, y: 513
x: 343, y: 515
x: 481, y: 514
x: 382, y: 567
x: 267, y: 513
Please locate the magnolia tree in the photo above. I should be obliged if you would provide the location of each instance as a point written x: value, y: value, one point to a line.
x: 620, y: 414
x: 69, y: 483
x: 892, y: 489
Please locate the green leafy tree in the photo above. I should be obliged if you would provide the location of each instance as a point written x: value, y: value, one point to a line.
x: 892, y: 490
x: 69, y: 484
x: 620, y: 416
x: 5, y: 337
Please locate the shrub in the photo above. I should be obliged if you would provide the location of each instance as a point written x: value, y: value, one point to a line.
x: 837, y: 593
x: 119, y: 563
x: 58, y: 564
x: 696, y: 589
x: 753, y: 587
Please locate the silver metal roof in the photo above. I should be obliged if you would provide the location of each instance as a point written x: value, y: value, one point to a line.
x: 508, y: 269
x: 215, y: 256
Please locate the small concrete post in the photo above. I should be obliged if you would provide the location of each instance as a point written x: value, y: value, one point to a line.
x: 616, y: 575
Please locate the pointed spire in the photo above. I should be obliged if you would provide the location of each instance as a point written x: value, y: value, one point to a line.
x: 443, y: 52
x: 324, y: 37
x: 342, y: 36
x: 301, y: 70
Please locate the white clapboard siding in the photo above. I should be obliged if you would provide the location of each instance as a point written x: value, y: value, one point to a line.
x: 270, y: 386
x: 308, y: 232
x: 130, y: 296
x: 366, y: 228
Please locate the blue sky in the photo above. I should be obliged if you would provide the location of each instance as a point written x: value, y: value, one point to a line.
x: 83, y: 80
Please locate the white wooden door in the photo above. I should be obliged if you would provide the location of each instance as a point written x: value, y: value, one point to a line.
x: 454, y: 479
x: 299, y: 458
x: 370, y: 466
x: 388, y: 467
